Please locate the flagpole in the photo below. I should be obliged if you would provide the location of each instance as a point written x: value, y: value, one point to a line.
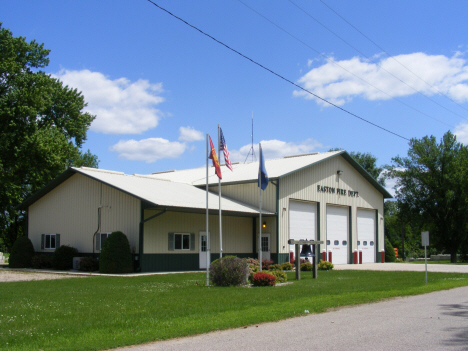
x: 220, y: 211
x: 207, y: 220
x: 260, y: 212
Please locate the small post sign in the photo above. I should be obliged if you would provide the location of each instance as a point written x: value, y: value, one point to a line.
x: 425, y: 243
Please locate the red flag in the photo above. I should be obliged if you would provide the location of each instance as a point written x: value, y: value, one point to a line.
x: 215, y: 159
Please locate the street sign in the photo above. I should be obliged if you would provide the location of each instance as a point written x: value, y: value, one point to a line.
x: 425, y: 238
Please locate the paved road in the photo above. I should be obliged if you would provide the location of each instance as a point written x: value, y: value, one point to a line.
x: 434, y: 321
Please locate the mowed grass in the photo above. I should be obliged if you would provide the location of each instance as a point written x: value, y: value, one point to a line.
x: 437, y: 262
x: 97, y: 313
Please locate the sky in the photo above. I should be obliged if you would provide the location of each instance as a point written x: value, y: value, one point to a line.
x: 157, y: 85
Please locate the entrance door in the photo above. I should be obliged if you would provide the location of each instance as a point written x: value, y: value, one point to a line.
x: 266, y: 254
x: 337, y: 233
x: 202, y: 250
x: 366, y: 235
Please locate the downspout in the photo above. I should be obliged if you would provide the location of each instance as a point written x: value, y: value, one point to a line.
x: 141, y: 231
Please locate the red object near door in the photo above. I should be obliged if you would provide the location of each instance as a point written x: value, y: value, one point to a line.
x: 324, y: 256
x: 383, y: 256
x: 329, y: 256
x: 360, y: 257
x: 291, y: 257
x: 355, y: 257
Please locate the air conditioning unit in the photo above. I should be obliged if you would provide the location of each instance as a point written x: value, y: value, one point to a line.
x: 76, y: 262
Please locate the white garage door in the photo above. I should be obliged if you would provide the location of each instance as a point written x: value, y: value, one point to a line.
x: 366, y: 235
x: 302, y: 220
x: 337, y: 233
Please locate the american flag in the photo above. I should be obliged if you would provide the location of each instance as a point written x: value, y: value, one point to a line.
x: 225, y: 149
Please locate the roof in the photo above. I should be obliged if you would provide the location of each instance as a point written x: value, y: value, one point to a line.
x: 158, y: 192
x: 276, y: 168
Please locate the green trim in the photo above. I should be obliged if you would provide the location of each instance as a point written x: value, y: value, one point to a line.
x: 254, y: 235
x: 318, y: 226
x: 350, y: 246
x: 378, y: 257
x: 277, y: 220
x: 280, y: 258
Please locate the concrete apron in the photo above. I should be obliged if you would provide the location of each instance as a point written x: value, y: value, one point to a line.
x: 415, y: 267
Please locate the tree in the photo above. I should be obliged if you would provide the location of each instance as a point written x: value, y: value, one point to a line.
x: 431, y: 184
x: 42, y: 128
x: 369, y: 162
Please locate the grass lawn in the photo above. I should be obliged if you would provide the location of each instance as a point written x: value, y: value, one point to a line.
x: 96, y: 313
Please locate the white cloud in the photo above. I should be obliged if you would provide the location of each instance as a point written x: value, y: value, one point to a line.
x: 148, y: 150
x: 120, y: 106
x: 448, y: 75
x: 190, y: 134
x: 461, y: 131
x: 275, y: 149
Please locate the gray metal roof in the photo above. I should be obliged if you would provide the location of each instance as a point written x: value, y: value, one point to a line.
x: 276, y: 168
x: 158, y: 192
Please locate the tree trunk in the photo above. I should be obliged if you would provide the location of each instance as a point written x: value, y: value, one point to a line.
x: 453, y: 256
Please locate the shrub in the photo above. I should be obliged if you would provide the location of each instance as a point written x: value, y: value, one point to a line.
x: 63, y: 257
x: 21, y: 253
x: 281, y: 276
x: 287, y: 266
x: 389, y: 252
x: 263, y: 279
x: 325, y: 266
x: 89, y: 264
x: 229, y: 270
x: 306, y: 266
x: 41, y: 261
x: 275, y: 267
x: 266, y: 264
x: 116, y: 256
x: 399, y: 260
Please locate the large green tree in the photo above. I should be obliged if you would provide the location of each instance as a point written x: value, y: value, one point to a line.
x: 42, y: 128
x: 431, y: 183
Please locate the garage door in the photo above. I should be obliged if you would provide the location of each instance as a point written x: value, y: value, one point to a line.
x: 337, y: 234
x: 366, y: 235
x: 302, y: 220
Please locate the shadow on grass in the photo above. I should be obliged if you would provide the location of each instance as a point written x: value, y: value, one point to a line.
x: 459, y: 336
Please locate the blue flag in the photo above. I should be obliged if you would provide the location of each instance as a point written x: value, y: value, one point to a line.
x: 262, y: 173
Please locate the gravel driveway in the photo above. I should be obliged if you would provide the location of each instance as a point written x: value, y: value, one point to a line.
x: 7, y: 275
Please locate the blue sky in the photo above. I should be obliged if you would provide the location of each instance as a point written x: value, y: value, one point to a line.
x: 158, y: 86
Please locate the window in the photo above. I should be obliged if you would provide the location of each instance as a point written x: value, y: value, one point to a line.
x: 181, y: 241
x: 365, y: 243
x: 50, y: 241
x: 371, y: 243
x: 336, y: 242
x: 328, y: 242
x: 344, y: 243
x: 358, y: 243
x: 100, y: 238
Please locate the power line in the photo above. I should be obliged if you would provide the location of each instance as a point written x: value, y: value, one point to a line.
x: 393, y: 58
x: 343, y: 68
x: 274, y: 73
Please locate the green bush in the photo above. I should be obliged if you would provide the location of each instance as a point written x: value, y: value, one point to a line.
x: 287, y: 266
x: 266, y: 264
x: 306, y: 266
x: 263, y: 279
x: 281, y: 276
x: 389, y: 252
x: 21, y: 253
x: 41, y: 261
x: 229, y: 270
x: 399, y: 260
x: 325, y: 266
x: 89, y: 264
x: 275, y: 267
x: 63, y: 257
x: 116, y: 256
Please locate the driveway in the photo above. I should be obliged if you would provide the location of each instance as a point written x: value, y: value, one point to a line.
x: 416, y: 267
x: 434, y: 321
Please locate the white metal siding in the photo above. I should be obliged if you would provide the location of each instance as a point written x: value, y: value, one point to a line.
x: 71, y: 209
x: 237, y: 231
x: 366, y: 234
x: 302, y: 185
